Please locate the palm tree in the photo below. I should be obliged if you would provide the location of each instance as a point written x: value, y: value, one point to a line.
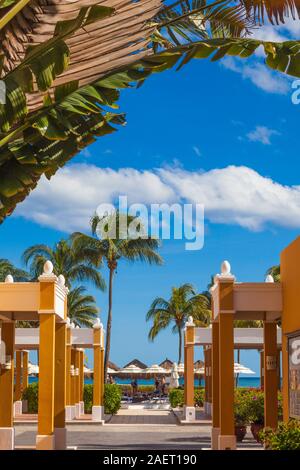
x: 66, y: 260
x: 112, y: 248
x: 184, y: 302
x: 82, y: 308
x: 275, y: 272
x: 6, y: 267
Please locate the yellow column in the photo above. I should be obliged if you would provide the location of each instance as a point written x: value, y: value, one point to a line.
x: 25, y: 370
x: 69, y: 414
x: 45, y: 438
x: 98, y: 390
x: 77, y: 383
x: 7, y: 387
x: 261, y: 355
x: 270, y: 376
x: 184, y: 369
x: 190, y: 414
x: 278, y: 369
x: 81, y: 381
x: 60, y: 388
x: 215, y: 386
x: 18, y: 379
x: 73, y: 381
x: 227, y: 439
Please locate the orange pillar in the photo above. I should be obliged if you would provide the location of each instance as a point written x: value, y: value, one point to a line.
x: 98, y: 390
x: 60, y: 431
x: 209, y: 388
x: 69, y: 414
x: 189, y: 409
x: 25, y: 370
x: 227, y: 438
x: 18, y: 384
x: 73, y: 382
x: 81, y: 381
x: 215, y: 386
x: 270, y: 374
x: 184, y: 370
x: 261, y: 355
x: 278, y: 369
x: 7, y: 387
x: 77, y: 383
x: 18, y: 380
x: 45, y: 438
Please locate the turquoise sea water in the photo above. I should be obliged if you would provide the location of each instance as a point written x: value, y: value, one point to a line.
x: 243, y: 381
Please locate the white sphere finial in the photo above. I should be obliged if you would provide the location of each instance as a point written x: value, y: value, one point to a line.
x: 9, y: 279
x: 190, y: 321
x: 48, y: 267
x: 97, y: 323
x: 225, y: 268
x: 61, y: 280
x: 269, y: 278
x: 72, y: 325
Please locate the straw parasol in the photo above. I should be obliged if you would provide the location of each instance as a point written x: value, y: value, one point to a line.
x: 137, y: 363
x: 128, y: 372
x: 155, y: 370
x: 240, y: 369
x: 167, y: 364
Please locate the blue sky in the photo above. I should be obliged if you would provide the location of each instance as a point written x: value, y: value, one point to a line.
x: 233, y: 127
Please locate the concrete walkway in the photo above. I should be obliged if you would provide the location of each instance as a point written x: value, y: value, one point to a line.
x: 133, y: 429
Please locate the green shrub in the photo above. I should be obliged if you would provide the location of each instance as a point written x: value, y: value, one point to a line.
x: 88, y: 398
x: 176, y: 397
x: 199, y: 397
x: 286, y: 437
x: 31, y: 395
x: 112, y: 398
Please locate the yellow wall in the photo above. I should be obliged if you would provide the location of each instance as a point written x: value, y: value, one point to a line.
x: 290, y: 266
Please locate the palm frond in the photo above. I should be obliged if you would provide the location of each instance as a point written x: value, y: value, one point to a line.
x: 276, y: 11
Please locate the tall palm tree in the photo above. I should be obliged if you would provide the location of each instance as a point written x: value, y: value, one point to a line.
x: 6, y: 267
x: 66, y: 260
x: 184, y: 302
x: 82, y: 308
x: 112, y: 248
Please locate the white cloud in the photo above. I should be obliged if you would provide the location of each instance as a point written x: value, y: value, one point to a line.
x: 262, y: 134
x: 232, y: 195
x: 259, y: 74
x: 197, y: 150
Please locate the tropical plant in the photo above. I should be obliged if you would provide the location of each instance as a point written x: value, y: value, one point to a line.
x: 6, y: 267
x: 274, y: 271
x: 113, y: 248
x: 183, y: 303
x: 72, y: 114
x: 285, y: 437
x: 66, y: 260
x: 82, y: 309
x: 112, y: 398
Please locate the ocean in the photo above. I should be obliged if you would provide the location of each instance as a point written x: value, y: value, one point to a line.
x: 253, y: 382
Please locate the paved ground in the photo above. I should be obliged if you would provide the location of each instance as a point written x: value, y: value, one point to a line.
x: 132, y: 430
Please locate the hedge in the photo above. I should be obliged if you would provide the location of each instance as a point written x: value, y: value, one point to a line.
x: 176, y: 397
x: 112, y: 398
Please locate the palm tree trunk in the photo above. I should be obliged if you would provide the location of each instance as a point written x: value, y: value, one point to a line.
x: 109, y: 321
x: 180, y: 345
